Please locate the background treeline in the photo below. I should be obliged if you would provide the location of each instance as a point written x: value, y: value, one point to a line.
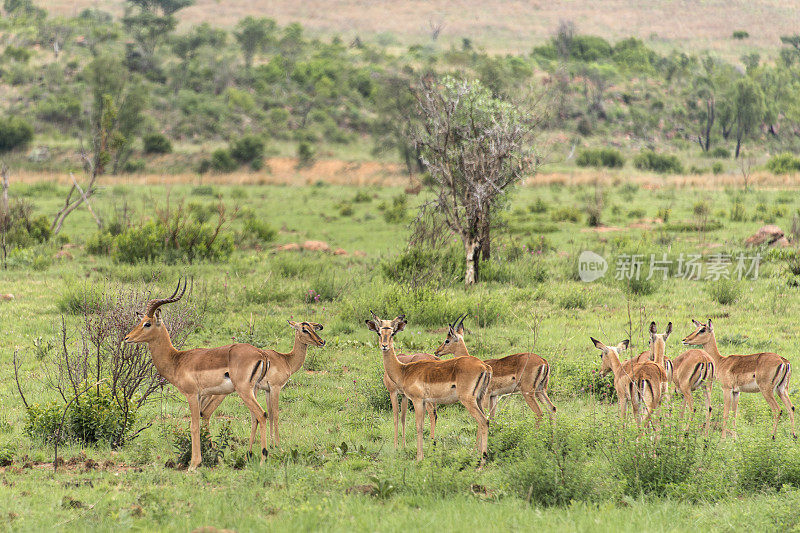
x: 264, y: 89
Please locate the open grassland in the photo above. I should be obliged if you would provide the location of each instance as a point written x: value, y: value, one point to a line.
x: 337, y: 469
x: 502, y: 26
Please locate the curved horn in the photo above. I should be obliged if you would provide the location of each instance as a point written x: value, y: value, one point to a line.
x: 374, y: 316
x: 460, y: 321
x: 153, y: 305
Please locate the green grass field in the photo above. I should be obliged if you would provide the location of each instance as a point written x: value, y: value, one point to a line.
x: 584, y: 474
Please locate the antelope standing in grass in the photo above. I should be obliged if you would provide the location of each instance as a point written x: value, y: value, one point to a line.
x: 394, y: 392
x: 641, y: 383
x: 657, y: 353
x: 281, y: 368
x: 463, y: 379
x: 526, y: 373
x: 767, y: 373
x: 202, y: 371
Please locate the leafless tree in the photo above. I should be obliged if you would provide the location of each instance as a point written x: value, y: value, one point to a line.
x: 746, y: 167
x: 436, y: 28
x: 476, y: 148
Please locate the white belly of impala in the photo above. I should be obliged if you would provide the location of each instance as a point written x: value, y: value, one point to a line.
x: 749, y: 387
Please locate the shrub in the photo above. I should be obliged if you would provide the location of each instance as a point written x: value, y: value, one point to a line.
x: 740, y: 34
x: 396, y: 213
x: 784, y: 163
x: 305, y: 154
x: 725, y: 291
x: 600, y: 157
x: 95, y: 417
x: 248, y: 149
x: 257, y: 229
x: 720, y: 152
x: 14, y: 133
x: 717, y: 168
x: 212, y: 449
x: 101, y: 243
x: 133, y: 166
x: 566, y: 214
x: 223, y: 161
x: 738, y: 212
x: 156, y: 143
x: 661, y: 163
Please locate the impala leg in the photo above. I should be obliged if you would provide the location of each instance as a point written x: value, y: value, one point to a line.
x: 403, y: 412
x: 623, y: 407
x: 769, y: 396
x: 419, y: 415
x: 194, y: 429
x: 541, y: 394
x: 471, y: 404
x: 253, y: 430
x: 789, y: 407
x: 269, y: 415
x: 393, y: 400
x: 534, y: 405
x: 688, y: 402
x: 726, y: 407
x: 431, y: 408
x: 274, y: 395
x: 735, y: 409
x: 209, y: 404
x: 707, y: 394
x: 258, y: 415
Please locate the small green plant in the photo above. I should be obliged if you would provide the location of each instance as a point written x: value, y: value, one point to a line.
x: 740, y: 34
x: 566, y: 214
x: 600, y: 157
x: 212, y: 449
x: 785, y: 163
x: 725, y: 291
x: 717, y: 168
x: 223, y: 161
x: 738, y: 212
x: 383, y: 488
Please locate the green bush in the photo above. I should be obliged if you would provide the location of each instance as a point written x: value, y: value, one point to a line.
x: 566, y: 214
x: 396, y: 213
x: 156, y: 143
x: 95, y: 417
x: 661, y: 163
x: 717, y: 168
x: 740, y: 34
x: 248, y: 149
x: 600, y: 157
x: 738, y: 212
x: 14, y: 133
x: 720, y: 152
x: 305, y: 154
x: 725, y: 291
x: 258, y: 230
x: 212, y: 449
x: 784, y: 163
x: 223, y: 161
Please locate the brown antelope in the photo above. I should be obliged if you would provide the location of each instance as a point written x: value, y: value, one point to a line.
x: 281, y: 368
x: 640, y: 384
x: 394, y: 392
x: 202, y: 371
x: 526, y: 373
x: 657, y: 354
x: 767, y: 373
x: 463, y: 379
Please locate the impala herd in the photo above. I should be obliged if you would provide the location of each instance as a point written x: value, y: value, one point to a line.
x: 207, y: 375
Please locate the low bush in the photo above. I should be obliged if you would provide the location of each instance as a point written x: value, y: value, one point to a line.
x: 784, y: 163
x: 661, y: 163
x: 212, y: 449
x: 223, y: 161
x: 156, y: 143
x: 566, y: 214
x: 248, y: 149
x: 725, y: 291
x: 14, y: 133
x: 96, y: 417
x: 600, y: 157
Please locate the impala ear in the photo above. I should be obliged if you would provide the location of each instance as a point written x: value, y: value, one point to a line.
x: 653, y: 328
x: 138, y: 314
x: 293, y: 324
x: 696, y: 323
x: 157, y: 316
x: 710, y: 327
x: 623, y: 345
x: 399, y: 323
x: 669, y: 330
x: 372, y: 325
x: 317, y: 327
x: 599, y: 345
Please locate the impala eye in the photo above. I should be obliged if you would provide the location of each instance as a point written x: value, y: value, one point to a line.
x: 447, y: 341
x: 305, y: 330
x: 147, y: 324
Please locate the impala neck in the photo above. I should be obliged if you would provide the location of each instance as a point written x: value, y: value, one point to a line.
x: 164, y: 355
x: 659, y: 347
x: 711, y: 348
x: 616, y: 366
x: 297, y: 356
x: 461, y: 349
x: 393, y: 367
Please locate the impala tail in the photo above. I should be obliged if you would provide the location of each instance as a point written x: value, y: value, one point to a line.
x: 543, y: 379
x: 782, y: 376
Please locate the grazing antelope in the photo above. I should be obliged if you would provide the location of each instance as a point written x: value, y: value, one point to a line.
x: 767, y: 373
x: 463, y: 379
x: 526, y: 373
x: 281, y: 368
x: 202, y: 371
x: 640, y: 384
x: 394, y: 392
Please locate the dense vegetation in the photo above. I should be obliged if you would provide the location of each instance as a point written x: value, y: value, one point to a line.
x: 263, y: 89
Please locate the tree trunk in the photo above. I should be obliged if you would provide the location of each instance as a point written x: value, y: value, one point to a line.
x: 471, y: 246
x: 486, y: 238
x: 739, y: 135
